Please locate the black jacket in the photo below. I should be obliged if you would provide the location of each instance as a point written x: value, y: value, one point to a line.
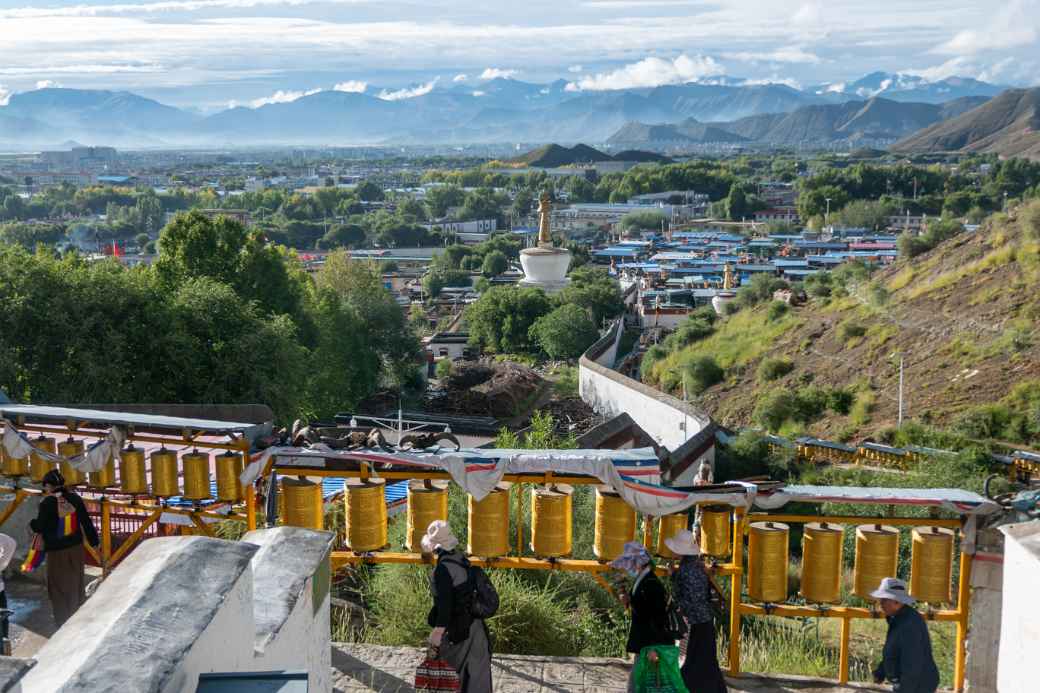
x: 451, y: 591
x: 907, y: 657
x: 649, y: 616
x: 46, y: 524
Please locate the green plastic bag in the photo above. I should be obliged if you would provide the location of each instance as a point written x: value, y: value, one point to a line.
x: 662, y: 676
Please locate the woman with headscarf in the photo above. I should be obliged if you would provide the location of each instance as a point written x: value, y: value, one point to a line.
x: 457, y: 637
x: 62, y: 522
x: 691, y: 586
x: 647, y: 600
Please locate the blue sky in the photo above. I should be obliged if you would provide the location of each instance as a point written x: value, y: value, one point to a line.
x: 209, y: 53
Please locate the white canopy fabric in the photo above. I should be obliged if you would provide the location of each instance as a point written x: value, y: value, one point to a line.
x: 17, y: 445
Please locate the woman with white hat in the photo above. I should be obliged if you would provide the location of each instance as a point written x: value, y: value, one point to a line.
x: 907, y: 659
x: 457, y: 637
x: 691, y: 586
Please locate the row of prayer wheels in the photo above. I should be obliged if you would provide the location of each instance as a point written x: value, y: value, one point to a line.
x: 133, y: 471
x: 877, y: 557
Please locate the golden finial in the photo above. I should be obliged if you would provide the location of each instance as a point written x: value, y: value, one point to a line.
x: 544, y: 207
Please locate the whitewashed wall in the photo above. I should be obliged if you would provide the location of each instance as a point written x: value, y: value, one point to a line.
x: 670, y: 421
x: 1020, y: 626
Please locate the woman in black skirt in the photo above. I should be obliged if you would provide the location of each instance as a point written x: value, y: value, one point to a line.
x: 692, y: 589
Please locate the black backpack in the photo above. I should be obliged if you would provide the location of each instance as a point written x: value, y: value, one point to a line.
x: 484, y: 600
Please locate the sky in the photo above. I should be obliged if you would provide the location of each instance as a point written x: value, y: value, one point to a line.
x: 208, y: 54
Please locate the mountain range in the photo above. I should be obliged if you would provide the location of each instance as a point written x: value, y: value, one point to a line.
x: 1008, y: 124
x: 498, y: 110
x: 876, y: 121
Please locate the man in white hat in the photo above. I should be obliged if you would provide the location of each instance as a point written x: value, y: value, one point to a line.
x: 691, y: 586
x: 907, y: 659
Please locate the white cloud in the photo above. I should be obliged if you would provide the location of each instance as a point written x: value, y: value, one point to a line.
x: 408, y: 92
x: 460, y: 78
x: 575, y: 69
x: 775, y: 79
x: 790, y: 54
x: 47, y: 84
x: 159, y: 7
x: 497, y: 73
x: 353, y: 86
x: 5, y: 95
x: 1015, y: 24
x: 281, y: 96
x: 651, y: 72
x: 479, y: 93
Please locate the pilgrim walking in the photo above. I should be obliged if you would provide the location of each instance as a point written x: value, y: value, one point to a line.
x: 648, y: 602
x: 907, y: 661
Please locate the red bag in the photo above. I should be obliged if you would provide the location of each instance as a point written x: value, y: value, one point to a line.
x: 434, y: 674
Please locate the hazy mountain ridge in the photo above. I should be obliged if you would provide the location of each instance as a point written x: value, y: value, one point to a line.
x: 498, y: 110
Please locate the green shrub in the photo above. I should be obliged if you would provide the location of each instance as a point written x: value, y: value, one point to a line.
x: 443, y: 368
x: 777, y: 310
x: 851, y: 329
x: 839, y: 400
x: 652, y: 356
x: 774, y: 408
x: 773, y: 368
x: 701, y: 373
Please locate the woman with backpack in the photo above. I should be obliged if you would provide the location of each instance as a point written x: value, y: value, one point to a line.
x: 691, y: 586
x: 62, y: 522
x: 648, y: 602
x: 460, y: 638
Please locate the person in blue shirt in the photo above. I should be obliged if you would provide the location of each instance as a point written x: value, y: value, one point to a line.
x: 907, y: 660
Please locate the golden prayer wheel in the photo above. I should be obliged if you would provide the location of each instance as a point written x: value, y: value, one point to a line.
x: 667, y: 527
x: 552, y: 533
x: 877, y: 557
x: 14, y: 466
x: 767, y: 562
x: 132, y: 476
x: 488, y: 530
x: 229, y: 485
x: 196, y: 475
x: 716, y: 523
x: 304, y: 506
x: 615, y: 524
x: 164, y: 473
x: 821, y: 563
x: 38, y: 466
x: 104, y: 477
x: 67, y: 449
x: 365, y: 503
x: 931, y: 564
x: 427, y: 502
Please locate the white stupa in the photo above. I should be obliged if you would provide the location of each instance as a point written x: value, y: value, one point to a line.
x: 545, y: 266
x: 729, y: 283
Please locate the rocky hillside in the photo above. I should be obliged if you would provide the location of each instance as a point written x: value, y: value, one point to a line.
x: 964, y: 315
x: 1008, y: 125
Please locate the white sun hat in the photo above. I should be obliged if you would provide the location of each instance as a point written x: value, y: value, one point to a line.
x: 683, y: 544
x: 894, y: 589
x: 438, y: 536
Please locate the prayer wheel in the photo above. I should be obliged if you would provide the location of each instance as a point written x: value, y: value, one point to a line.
x: 196, y: 475
x: 304, y: 506
x: 14, y: 466
x: 488, y: 531
x: 132, y: 476
x: 877, y: 557
x: 767, y: 562
x: 365, y: 503
x: 104, y: 477
x: 667, y: 527
x: 38, y: 466
x: 229, y: 468
x: 716, y: 523
x: 68, y: 449
x: 615, y: 524
x: 821, y: 563
x: 427, y: 502
x: 552, y: 533
x: 164, y: 473
x: 931, y: 565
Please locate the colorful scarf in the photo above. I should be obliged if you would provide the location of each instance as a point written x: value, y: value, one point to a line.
x: 34, y: 557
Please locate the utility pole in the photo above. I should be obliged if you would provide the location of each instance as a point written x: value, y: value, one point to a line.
x: 827, y: 216
x: 900, y: 422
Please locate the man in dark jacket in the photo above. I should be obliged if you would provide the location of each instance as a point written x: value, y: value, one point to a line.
x: 907, y: 657
x: 62, y: 522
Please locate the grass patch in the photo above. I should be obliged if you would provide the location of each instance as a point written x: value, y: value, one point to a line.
x: 880, y: 333
x: 862, y: 408
x: 850, y: 330
x: 1000, y: 257
x: 773, y: 368
x: 901, y: 279
x: 565, y: 381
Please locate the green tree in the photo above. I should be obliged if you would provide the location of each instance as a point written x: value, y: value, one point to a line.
x: 594, y: 290
x: 635, y: 222
x: 565, y: 333
x: 342, y: 236
x: 737, y: 207
x: 495, y: 263
x: 441, y: 198
x: 701, y: 373
x: 501, y: 319
x: 369, y: 191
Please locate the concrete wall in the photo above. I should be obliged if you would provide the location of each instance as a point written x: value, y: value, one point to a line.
x: 181, y: 606
x: 1020, y: 623
x: 987, y: 583
x: 670, y: 421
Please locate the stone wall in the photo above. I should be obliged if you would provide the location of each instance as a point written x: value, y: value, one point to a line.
x: 670, y: 421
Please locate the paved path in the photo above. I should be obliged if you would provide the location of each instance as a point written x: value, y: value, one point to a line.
x: 391, y: 669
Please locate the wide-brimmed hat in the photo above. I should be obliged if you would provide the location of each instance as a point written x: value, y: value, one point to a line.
x: 683, y: 544
x: 634, y: 557
x: 439, y: 536
x: 894, y: 589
